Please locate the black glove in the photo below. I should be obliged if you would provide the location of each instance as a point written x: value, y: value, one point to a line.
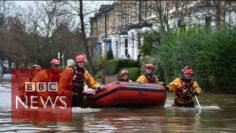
x: 194, y: 93
x: 186, y: 94
x: 165, y: 86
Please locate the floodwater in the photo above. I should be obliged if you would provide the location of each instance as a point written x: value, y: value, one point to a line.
x: 217, y: 114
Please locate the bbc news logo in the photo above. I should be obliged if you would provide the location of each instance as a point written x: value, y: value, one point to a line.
x: 38, y: 101
x: 32, y: 100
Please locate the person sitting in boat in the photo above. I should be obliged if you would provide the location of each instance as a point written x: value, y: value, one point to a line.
x: 149, y: 75
x: 75, y: 78
x: 185, y: 88
x: 124, y: 76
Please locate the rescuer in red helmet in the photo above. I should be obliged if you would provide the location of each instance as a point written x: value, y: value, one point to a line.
x: 48, y: 75
x: 149, y: 75
x: 35, y: 69
x: 75, y: 77
x: 185, y: 88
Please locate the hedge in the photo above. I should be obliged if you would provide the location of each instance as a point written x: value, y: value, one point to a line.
x: 134, y: 73
x: 113, y: 66
x: 211, y: 54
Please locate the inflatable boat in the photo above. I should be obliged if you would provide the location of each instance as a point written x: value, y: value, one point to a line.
x: 124, y: 94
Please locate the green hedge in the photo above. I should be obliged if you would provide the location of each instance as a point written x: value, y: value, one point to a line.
x: 134, y: 73
x: 211, y: 53
x: 98, y: 75
x: 113, y: 66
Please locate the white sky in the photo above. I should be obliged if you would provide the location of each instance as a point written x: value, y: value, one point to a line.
x: 94, y: 4
x: 24, y: 4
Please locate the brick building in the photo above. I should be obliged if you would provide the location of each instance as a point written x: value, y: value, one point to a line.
x: 119, y: 26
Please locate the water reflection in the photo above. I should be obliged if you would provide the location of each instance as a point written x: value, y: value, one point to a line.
x: 132, y: 120
x: 183, y: 120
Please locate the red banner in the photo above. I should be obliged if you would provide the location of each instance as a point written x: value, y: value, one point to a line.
x: 37, y: 97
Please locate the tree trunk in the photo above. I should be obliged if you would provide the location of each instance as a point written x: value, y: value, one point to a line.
x: 220, y: 12
x: 103, y: 76
x: 84, y: 39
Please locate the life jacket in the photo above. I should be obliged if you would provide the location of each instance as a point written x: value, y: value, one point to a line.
x: 78, y: 78
x: 185, y: 90
x: 49, y: 76
x: 54, y: 76
x: 151, y: 78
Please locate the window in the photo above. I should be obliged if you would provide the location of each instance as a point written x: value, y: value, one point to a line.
x: 132, y: 38
x: 117, y: 49
x: 126, y: 48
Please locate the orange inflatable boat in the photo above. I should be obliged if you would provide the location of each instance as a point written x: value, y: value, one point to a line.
x: 124, y: 94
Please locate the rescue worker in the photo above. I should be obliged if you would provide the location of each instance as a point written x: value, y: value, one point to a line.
x: 124, y: 76
x: 49, y: 75
x: 75, y: 77
x: 35, y: 69
x: 65, y: 82
x: 149, y: 75
x: 185, y: 88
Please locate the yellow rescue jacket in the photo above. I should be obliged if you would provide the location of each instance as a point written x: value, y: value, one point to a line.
x: 65, y: 82
x: 46, y: 76
x: 67, y: 77
x: 90, y: 80
x: 144, y: 79
x: 178, y: 86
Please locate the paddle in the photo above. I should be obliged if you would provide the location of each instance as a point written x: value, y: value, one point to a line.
x: 199, y: 106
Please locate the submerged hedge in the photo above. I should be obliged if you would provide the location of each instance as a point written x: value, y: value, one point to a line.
x: 211, y: 53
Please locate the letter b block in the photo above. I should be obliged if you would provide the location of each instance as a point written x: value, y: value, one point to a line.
x: 41, y: 86
x: 29, y: 86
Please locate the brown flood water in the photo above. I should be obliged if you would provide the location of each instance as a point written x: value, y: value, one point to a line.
x: 217, y: 115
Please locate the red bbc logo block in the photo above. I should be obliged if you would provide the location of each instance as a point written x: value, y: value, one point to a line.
x: 39, y: 101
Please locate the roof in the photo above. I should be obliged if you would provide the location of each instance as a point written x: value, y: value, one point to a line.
x: 104, y: 9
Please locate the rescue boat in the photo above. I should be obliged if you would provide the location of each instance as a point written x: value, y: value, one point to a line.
x: 125, y: 94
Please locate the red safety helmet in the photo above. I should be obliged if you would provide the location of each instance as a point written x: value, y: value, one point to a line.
x: 37, y: 67
x: 55, y: 62
x: 188, y: 70
x: 80, y: 58
x: 150, y: 66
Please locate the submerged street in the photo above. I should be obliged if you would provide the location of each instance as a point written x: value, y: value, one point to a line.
x: 217, y: 115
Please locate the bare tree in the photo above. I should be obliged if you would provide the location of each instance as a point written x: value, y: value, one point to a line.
x: 162, y: 15
x: 220, y: 11
x: 161, y: 12
x: 5, y: 9
x: 5, y: 13
x: 35, y: 35
x: 76, y: 9
x: 42, y: 21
